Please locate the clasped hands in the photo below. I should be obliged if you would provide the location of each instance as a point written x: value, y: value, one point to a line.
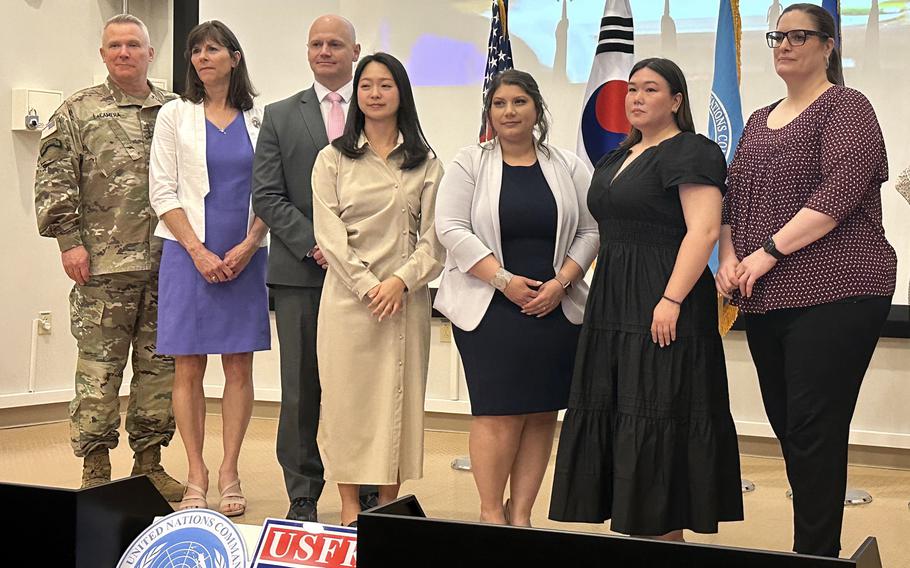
x: 535, y: 298
x: 386, y: 298
x: 733, y: 274
x: 215, y: 269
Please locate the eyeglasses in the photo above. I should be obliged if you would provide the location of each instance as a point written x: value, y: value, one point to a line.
x: 795, y: 37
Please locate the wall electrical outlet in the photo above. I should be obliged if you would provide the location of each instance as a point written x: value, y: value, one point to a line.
x: 44, y: 323
x: 445, y: 333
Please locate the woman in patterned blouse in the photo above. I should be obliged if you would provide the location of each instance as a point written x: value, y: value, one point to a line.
x: 804, y: 256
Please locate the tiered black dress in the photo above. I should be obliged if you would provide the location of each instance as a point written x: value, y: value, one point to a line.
x: 648, y: 440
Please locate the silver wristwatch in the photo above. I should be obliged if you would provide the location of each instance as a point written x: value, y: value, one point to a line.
x: 501, y: 279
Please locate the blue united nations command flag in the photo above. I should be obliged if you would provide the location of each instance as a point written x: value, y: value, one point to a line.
x: 725, y: 114
x: 499, y: 56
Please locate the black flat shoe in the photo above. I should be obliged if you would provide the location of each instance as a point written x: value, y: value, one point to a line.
x: 369, y: 501
x: 303, y: 509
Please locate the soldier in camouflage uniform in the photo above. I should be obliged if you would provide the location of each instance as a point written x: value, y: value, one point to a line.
x: 91, y: 194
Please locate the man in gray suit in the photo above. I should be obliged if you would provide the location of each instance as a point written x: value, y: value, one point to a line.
x: 293, y: 132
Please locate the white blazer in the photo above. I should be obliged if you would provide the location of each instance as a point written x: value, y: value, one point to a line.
x: 178, y: 174
x: 467, y: 222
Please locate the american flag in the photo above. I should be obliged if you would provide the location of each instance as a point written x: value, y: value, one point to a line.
x: 499, y: 56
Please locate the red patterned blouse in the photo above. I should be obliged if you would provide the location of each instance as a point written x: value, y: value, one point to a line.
x: 830, y: 158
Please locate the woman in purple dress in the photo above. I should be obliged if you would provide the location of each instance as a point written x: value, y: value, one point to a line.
x: 213, y: 296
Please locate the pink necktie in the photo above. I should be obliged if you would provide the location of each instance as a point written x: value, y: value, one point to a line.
x: 336, y: 117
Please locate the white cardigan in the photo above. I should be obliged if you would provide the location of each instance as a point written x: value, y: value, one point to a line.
x: 178, y: 173
x: 467, y: 222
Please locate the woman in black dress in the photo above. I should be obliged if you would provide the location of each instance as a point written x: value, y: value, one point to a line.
x: 648, y: 440
x: 514, y: 205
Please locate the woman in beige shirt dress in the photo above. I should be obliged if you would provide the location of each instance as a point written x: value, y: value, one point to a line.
x: 374, y: 190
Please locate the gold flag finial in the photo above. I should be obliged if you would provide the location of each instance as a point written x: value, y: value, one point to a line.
x: 504, y: 17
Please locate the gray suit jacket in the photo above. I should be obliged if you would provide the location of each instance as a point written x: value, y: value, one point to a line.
x: 291, y: 136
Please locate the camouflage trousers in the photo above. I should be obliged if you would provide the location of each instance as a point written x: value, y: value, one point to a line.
x: 108, y: 315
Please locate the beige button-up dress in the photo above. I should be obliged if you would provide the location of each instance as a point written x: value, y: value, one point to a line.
x: 373, y: 220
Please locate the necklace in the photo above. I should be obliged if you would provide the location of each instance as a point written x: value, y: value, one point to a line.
x: 206, y: 106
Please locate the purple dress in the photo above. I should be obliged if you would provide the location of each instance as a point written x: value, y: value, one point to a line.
x: 198, y: 317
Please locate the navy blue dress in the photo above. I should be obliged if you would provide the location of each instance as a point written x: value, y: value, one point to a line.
x: 196, y: 316
x: 515, y: 363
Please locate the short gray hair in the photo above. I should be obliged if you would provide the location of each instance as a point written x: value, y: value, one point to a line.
x: 128, y: 19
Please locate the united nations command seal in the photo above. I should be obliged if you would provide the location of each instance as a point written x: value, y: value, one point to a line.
x: 193, y: 538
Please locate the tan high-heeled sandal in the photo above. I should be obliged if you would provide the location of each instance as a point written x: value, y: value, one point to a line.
x: 196, y: 501
x: 231, y: 497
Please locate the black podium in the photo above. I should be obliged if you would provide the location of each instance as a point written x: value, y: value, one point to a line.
x: 79, y: 528
x: 399, y: 534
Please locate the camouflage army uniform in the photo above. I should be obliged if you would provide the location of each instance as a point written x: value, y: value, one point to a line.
x: 91, y: 189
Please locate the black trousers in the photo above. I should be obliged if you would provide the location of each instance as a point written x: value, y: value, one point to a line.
x: 811, y: 362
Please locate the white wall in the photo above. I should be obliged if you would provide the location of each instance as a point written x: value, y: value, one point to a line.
x: 275, y: 42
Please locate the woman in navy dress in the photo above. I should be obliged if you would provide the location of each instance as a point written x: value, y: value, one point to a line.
x: 511, y: 213
x: 213, y: 296
x: 648, y: 440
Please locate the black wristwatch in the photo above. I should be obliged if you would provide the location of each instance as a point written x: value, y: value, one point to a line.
x: 771, y: 249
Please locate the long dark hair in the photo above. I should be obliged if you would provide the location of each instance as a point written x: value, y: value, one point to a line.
x: 674, y: 77
x: 415, y: 147
x: 824, y: 23
x: 526, y: 83
x: 240, y: 91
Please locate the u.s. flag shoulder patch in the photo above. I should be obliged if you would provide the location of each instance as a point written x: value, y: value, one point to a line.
x: 49, y: 128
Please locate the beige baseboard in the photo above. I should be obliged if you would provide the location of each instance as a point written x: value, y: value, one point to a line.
x: 871, y: 456
x: 445, y: 422
x: 261, y: 408
x: 19, y: 416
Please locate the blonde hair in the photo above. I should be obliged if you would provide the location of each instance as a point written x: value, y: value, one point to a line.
x: 128, y: 19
